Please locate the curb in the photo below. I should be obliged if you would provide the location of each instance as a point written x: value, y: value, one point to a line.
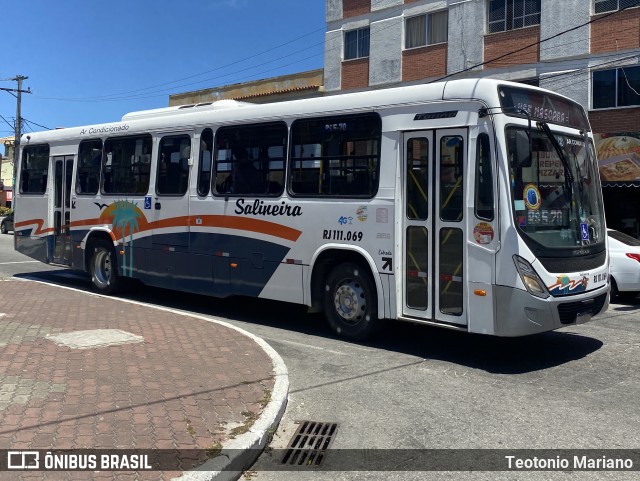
x: 240, y: 453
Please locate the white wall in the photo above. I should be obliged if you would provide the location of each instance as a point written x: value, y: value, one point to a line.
x: 334, y: 10
x: 332, y: 59
x: 385, y: 59
x: 466, y: 34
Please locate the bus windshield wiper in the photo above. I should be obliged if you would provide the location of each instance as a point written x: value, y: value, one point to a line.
x: 568, y: 176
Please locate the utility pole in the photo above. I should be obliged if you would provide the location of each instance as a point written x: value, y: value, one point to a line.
x: 18, y: 122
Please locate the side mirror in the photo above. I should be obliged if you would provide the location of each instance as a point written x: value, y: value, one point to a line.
x: 519, y: 145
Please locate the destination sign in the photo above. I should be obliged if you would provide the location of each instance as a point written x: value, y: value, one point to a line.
x: 542, y: 106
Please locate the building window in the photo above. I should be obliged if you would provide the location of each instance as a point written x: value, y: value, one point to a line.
x: 619, y: 87
x: 506, y: 15
x: 356, y: 43
x: 602, y: 6
x: 426, y: 29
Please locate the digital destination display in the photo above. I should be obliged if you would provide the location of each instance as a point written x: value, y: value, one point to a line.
x: 542, y: 217
x: 542, y: 106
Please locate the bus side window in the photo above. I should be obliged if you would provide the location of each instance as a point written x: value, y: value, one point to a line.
x: 451, y: 178
x: 204, y: 167
x: 418, y: 178
x: 34, y: 169
x: 125, y: 165
x: 335, y: 156
x: 249, y: 159
x: 89, y: 160
x: 484, y: 179
x: 173, y: 165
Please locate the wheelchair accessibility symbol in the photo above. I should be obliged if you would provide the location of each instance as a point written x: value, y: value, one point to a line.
x: 584, y: 228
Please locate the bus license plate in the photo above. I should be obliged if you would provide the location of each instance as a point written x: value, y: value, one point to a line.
x: 583, y: 317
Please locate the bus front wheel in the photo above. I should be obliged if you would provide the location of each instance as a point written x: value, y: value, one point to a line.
x: 104, y: 268
x: 350, y: 302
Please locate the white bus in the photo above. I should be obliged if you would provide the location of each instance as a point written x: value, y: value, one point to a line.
x: 471, y: 204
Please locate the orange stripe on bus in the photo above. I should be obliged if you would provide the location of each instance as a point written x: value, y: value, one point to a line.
x: 239, y: 223
x: 252, y: 225
x: 39, y: 223
x: 87, y: 222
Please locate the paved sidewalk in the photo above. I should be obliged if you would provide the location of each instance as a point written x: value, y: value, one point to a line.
x: 79, y: 370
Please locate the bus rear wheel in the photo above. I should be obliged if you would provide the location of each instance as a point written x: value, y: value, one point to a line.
x: 350, y: 302
x: 104, y: 268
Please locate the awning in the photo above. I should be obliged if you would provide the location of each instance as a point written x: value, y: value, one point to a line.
x: 620, y: 184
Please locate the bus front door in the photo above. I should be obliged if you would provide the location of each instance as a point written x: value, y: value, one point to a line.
x: 63, y: 174
x: 433, y: 226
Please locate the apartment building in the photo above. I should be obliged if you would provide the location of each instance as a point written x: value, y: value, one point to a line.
x: 588, y: 50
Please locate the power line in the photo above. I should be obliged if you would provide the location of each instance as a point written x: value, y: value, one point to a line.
x: 7, y: 122
x: 627, y: 80
x: 560, y: 45
x: 591, y: 67
x: 259, y: 54
x: 118, y: 97
x: 531, y: 45
x: 161, y: 93
x: 34, y: 123
x: 578, y: 75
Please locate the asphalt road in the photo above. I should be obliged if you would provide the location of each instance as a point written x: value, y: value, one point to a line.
x: 419, y: 387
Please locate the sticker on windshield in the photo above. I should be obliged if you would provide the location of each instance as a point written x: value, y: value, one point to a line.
x: 584, y: 229
x: 532, y: 197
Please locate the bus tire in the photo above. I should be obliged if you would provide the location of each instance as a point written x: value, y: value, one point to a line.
x: 103, y: 268
x: 350, y: 302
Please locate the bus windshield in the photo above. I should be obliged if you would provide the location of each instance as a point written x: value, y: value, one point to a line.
x: 555, y: 188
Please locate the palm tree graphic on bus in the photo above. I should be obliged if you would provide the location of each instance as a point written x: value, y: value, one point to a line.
x: 125, y: 217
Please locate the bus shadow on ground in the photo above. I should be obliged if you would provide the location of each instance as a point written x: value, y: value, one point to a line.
x: 496, y: 355
x: 491, y: 354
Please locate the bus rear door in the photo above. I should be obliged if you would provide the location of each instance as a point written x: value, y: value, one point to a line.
x: 433, y: 227
x: 63, y: 175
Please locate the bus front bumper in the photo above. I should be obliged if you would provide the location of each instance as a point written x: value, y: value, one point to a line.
x: 518, y: 313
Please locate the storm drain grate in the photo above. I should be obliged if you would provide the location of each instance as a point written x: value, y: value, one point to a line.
x: 309, y: 444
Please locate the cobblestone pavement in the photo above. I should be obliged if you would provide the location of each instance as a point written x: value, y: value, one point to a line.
x: 84, y: 371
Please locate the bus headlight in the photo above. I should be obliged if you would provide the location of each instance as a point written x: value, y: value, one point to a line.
x: 530, y: 278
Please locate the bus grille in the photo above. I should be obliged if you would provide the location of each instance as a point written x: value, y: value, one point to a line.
x: 568, y: 263
x: 568, y: 311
